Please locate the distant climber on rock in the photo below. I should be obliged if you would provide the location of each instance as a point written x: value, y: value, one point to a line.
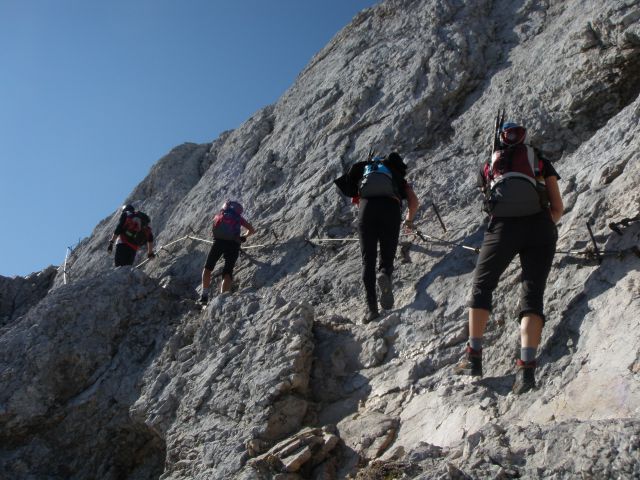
x: 378, y: 187
x: 523, y: 201
x: 227, y: 237
x: 132, y: 232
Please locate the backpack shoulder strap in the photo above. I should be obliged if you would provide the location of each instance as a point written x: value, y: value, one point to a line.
x: 531, y: 157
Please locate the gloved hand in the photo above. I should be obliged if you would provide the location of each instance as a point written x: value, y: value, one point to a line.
x: 110, y: 247
x: 243, y: 239
x: 151, y: 255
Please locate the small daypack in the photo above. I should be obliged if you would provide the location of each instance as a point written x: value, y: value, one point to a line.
x: 377, y: 180
x: 135, y: 227
x: 514, y: 183
x: 227, y: 224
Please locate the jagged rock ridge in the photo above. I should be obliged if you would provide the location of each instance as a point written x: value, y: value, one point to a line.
x: 260, y: 382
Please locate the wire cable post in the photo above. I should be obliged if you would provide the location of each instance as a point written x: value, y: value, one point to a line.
x: 64, y: 267
x: 435, y: 209
x: 595, y: 245
x: 615, y: 226
x: 591, y: 254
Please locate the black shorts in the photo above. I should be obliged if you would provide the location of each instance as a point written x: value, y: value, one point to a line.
x: 125, y: 255
x: 227, y: 248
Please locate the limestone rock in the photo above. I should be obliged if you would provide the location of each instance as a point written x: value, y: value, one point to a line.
x: 19, y: 294
x: 308, y: 448
x: 119, y: 374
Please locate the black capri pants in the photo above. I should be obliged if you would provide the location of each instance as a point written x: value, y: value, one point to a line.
x: 534, y: 239
x: 227, y: 248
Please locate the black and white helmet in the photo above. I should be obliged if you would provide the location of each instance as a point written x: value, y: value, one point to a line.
x: 233, y: 205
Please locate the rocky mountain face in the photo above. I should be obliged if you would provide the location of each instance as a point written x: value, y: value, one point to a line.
x: 119, y: 374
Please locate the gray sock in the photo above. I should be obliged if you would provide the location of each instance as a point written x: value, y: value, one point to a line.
x: 528, y: 354
x: 475, y: 343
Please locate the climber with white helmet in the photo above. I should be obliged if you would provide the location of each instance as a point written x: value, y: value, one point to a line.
x: 132, y: 232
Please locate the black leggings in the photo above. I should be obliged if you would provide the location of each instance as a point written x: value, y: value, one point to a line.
x: 229, y: 249
x: 533, y: 238
x: 378, y: 221
x: 125, y: 255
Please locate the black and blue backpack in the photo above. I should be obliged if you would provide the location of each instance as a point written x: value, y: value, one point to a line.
x: 377, y: 180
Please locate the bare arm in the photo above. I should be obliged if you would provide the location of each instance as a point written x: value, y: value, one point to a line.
x: 119, y: 227
x: 413, y: 204
x: 555, y: 199
x: 249, y: 227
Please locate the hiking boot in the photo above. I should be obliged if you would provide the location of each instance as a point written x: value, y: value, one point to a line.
x: 525, y: 377
x: 204, y: 299
x: 386, y: 292
x: 372, y: 313
x: 471, y: 364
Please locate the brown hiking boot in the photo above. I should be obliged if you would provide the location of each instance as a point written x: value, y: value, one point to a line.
x: 525, y: 377
x: 471, y: 364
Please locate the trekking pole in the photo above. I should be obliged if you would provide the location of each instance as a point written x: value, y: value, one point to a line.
x: 426, y: 238
x: 435, y: 209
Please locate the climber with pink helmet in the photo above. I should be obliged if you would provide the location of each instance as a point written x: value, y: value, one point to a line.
x: 227, y: 237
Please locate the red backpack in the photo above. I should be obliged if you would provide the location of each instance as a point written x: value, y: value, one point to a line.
x: 135, y: 227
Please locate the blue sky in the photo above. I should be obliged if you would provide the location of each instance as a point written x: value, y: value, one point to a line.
x: 93, y: 93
